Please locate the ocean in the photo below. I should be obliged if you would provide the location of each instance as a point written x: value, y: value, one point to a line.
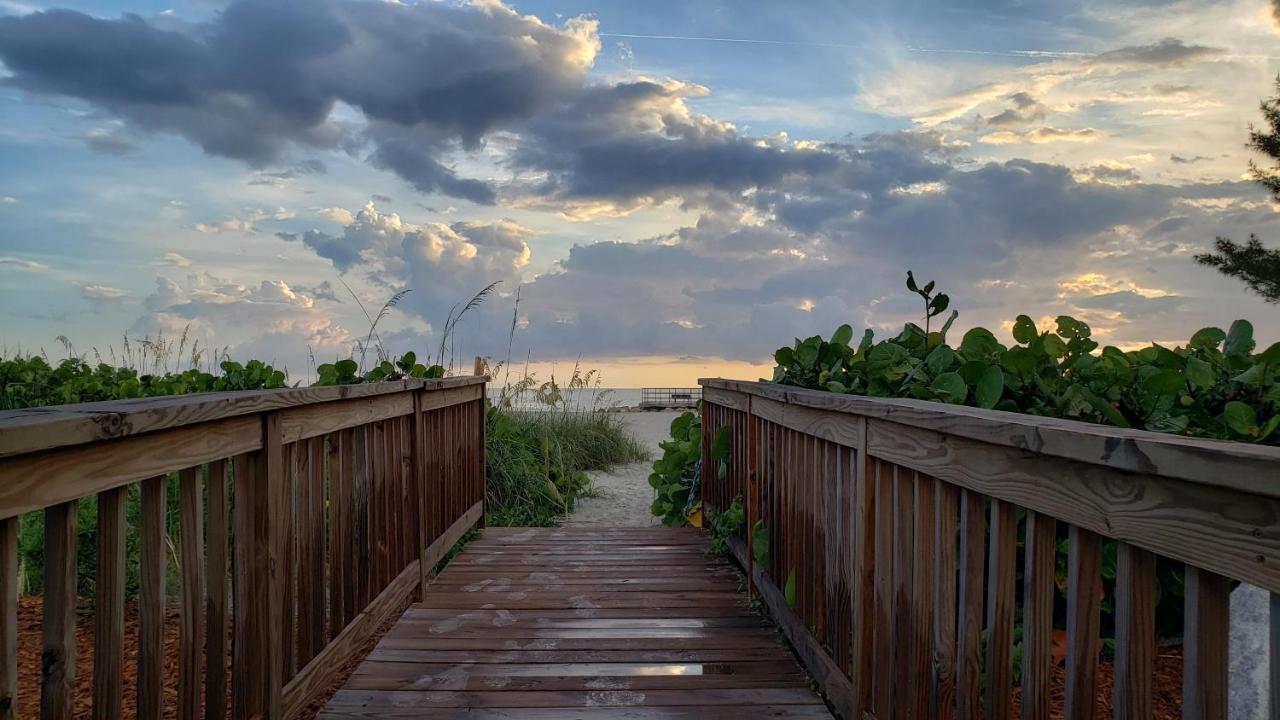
x: 592, y: 399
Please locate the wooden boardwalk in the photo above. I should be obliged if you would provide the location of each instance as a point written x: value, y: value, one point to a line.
x: 591, y: 623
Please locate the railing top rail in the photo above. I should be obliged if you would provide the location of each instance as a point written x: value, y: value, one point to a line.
x: 44, y: 428
x: 1251, y: 468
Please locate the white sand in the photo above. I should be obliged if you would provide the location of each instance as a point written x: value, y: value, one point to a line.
x: 623, y: 496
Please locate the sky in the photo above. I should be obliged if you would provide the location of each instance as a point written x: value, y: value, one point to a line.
x: 662, y: 190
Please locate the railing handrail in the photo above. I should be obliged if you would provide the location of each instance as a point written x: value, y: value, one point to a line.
x: 1222, y: 463
x: 44, y: 428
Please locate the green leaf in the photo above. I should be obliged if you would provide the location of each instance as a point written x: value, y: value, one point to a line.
x: 1163, y: 382
x: 939, y: 359
x: 911, y: 283
x: 1255, y: 376
x: 1239, y: 339
x: 1269, y: 427
x: 1054, y: 347
x: 979, y: 344
x: 1024, y: 329
x: 950, y: 387
x: 1207, y: 338
x: 842, y: 335
x: 1241, y: 418
x: 807, y: 353
x: 720, y: 447
x: 681, y: 424
x: 760, y: 543
x: 784, y: 356
x: 789, y: 590
x: 973, y: 370
x: 1201, y: 373
x: 1271, y: 355
x: 990, y: 387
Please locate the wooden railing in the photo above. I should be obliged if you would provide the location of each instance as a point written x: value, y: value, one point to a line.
x: 316, y: 513
x: 902, y: 526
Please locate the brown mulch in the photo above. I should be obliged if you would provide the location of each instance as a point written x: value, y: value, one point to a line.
x: 30, y: 610
x: 1166, y: 689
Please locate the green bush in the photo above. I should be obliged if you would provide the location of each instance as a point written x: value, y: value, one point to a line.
x: 1215, y: 386
x: 676, y: 474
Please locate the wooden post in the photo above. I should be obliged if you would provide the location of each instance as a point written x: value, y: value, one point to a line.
x: 267, y: 605
x: 477, y: 368
x: 419, y: 449
x: 749, y: 500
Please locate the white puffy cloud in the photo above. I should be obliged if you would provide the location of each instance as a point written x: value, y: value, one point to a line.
x: 102, y: 293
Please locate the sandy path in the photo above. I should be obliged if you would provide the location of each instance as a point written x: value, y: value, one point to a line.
x: 623, y: 494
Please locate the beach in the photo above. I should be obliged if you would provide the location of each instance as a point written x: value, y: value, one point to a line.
x: 622, y: 496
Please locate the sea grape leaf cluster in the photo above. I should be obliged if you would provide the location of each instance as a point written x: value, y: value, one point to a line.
x: 1213, y: 386
x: 676, y: 474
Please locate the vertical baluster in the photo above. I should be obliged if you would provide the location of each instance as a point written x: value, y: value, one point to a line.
x: 1000, y: 590
x: 337, y: 549
x: 151, y: 606
x: 922, y: 598
x: 8, y: 618
x: 882, y: 660
x: 946, y: 519
x: 58, y: 661
x: 242, y: 684
x: 290, y: 520
x: 1204, y: 665
x: 863, y: 575
x: 108, y: 610
x: 315, y: 547
x: 1037, y: 614
x: 903, y: 561
x: 1084, y: 601
x: 215, y: 683
x: 191, y: 636
x: 360, y: 510
x: 973, y: 533
x: 1135, y: 632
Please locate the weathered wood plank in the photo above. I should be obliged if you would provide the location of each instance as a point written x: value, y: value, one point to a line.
x: 1204, y: 663
x: 32, y: 430
x: 1135, y: 632
x: 1238, y: 465
x: 946, y: 569
x: 218, y: 537
x: 58, y: 657
x: 8, y: 618
x: 191, y: 634
x: 973, y: 533
x: 1084, y: 602
x: 151, y: 605
x: 40, y: 480
x: 839, y: 429
x: 1002, y: 568
x: 108, y: 610
x: 1038, y: 574
x: 308, y: 421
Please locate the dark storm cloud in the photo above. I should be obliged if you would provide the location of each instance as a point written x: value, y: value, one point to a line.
x: 637, y: 140
x: 264, y: 76
x: 342, y: 251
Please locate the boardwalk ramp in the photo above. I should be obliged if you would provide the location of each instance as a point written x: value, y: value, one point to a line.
x: 589, y: 623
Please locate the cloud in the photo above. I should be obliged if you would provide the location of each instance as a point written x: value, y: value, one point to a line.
x: 111, y: 141
x: 173, y: 259
x: 262, y: 79
x: 19, y: 263
x: 1165, y: 53
x: 8, y: 200
x: 245, y: 224
x: 270, y: 320
x: 637, y: 143
x: 102, y: 293
x: 1042, y: 135
x: 1184, y: 160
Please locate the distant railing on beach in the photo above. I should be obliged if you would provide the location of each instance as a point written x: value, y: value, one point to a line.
x: 659, y: 398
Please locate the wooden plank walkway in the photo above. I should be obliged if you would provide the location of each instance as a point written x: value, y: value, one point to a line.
x: 581, y: 623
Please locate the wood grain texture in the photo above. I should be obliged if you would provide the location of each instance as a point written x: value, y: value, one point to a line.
x: 192, y: 608
x: 973, y: 533
x: 1135, y: 632
x: 835, y: 428
x: 218, y: 538
x: 1204, y: 660
x: 58, y: 654
x: 108, y: 610
x: 1238, y: 465
x: 1084, y: 602
x: 39, y: 480
x: 1002, y: 569
x: 946, y: 569
x: 32, y: 430
x: 245, y: 689
x: 151, y: 604
x: 1204, y: 525
x: 1038, y: 575
x: 8, y: 618
x: 606, y: 653
x: 308, y: 421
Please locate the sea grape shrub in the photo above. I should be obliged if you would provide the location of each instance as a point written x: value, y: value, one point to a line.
x: 32, y: 382
x: 1215, y: 386
x: 676, y: 474
x: 347, y: 372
